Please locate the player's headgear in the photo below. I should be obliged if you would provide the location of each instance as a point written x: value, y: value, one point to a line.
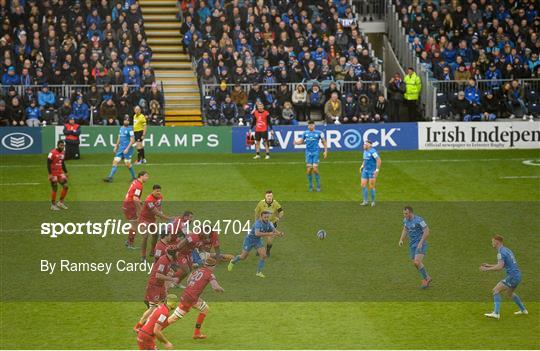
x: 210, y: 261
x: 171, y: 301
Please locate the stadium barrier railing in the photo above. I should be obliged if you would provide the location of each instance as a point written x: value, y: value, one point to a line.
x: 444, y: 90
x: 403, y: 49
x: 66, y: 91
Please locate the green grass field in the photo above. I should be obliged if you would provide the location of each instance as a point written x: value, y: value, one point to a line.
x: 355, y: 290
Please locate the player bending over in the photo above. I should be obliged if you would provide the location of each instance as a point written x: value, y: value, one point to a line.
x: 197, y: 282
x: 506, y: 260
x: 123, y: 150
x: 261, y: 229
x: 132, y: 205
x: 417, y: 230
x: 369, y: 170
x: 156, y: 290
x: 150, y: 210
x: 311, y: 138
x: 154, y: 325
x: 57, y: 174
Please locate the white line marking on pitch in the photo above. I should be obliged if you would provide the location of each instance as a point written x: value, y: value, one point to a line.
x: 531, y: 162
x: 263, y: 163
x: 521, y: 177
x: 13, y: 184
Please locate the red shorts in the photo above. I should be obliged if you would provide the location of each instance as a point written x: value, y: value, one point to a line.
x: 130, y: 212
x: 145, y: 341
x: 155, y: 293
x: 58, y: 178
x: 186, y: 302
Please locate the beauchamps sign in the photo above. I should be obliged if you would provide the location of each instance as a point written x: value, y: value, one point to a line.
x: 158, y: 139
x: 481, y: 135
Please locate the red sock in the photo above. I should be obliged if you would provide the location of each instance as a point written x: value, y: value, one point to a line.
x: 131, y: 236
x: 53, y: 197
x: 198, y: 324
x: 63, y: 194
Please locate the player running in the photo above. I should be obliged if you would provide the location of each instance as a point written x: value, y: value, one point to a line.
x: 418, y: 231
x: 506, y: 260
x: 56, y: 168
x: 150, y: 210
x: 123, y: 150
x: 197, y: 282
x: 369, y: 170
x: 132, y: 205
x: 156, y: 290
x: 156, y: 322
x: 311, y: 138
x: 262, y: 228
x: 269, y: 204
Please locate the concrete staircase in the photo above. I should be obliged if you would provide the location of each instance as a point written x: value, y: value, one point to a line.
x: 171, y: 64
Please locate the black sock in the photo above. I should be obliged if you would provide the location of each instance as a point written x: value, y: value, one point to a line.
x: 268, y: 248
x: 142, y: 154
x: 138, y: 154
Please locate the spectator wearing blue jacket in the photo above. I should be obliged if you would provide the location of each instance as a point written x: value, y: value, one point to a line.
x: 80, y: 111
x: 10, y: 77
x: 129, y: 66
x: 46, y: 98
x: 32, y: 114
x: 472, y: 94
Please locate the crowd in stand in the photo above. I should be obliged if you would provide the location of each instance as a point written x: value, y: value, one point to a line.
x: 99, y: 46
x: 267, y: 44
x: 490, y: 46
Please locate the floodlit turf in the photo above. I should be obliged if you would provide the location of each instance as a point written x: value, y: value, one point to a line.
x: 354, y: 290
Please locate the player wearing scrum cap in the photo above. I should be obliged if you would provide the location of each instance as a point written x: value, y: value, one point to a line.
x: 154, y: 325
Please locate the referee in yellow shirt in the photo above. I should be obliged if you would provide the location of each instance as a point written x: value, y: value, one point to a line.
x: 269, y: 204
x: 139, y: 129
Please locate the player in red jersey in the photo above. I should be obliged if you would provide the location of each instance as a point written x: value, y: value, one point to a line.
x: 132, y: 205
x: 262, y: 124
x: 162, y: 245
x: 179, y: 226
x: 150, y: 210
x: 154, y: 325
x: 156, y: 290
x: 191, y: 297
x: 57, y: 174
x: 212, y: 242
x: 186, y: 247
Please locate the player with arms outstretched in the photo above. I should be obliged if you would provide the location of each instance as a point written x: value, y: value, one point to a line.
x: 253, y: 240
x: 154, y: 325
x: 197, y: 282
x: 132, y: 205
x: 506, y: 260
x: 56, y: 168
x: 370, y: 170
x: 311, y: 138
x: 150, y: 210
x: 418, y: 231
x: 123, y: 150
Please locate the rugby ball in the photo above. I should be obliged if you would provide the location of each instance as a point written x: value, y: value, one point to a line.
x: 321, y: 234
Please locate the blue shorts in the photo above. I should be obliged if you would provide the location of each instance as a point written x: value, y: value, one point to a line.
x: 312, y: 158
x: 413, y: 250
x: 252, y: 242
x: 121, y: 155
x: 368, y: 174
x: 511, y: 281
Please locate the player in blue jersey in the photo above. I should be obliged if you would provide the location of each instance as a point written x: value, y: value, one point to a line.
x: 123, y: 150
x: 506, y: 260
x: 418, y: 231
x: 311, y: 138
x: 254, y: 240
x: 369, y: 170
